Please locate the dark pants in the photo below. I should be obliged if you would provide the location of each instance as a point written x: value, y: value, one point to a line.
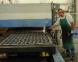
x: 70, y: 52
x: 68, y: 42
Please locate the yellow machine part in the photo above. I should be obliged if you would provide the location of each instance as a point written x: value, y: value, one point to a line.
x: 45, y: 54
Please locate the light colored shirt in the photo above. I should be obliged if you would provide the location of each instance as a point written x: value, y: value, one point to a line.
x: 68, y: 17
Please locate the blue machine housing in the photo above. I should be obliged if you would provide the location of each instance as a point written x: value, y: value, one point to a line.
x: 25, y: 23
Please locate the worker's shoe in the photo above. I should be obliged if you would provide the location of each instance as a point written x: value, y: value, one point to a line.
x: 68, y: 55
x: 72, y: 58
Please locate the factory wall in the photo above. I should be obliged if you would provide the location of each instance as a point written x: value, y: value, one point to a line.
x: 33, y: 1
x: 77, y: 13
x: 42, y: 1
x: 75, y: 37
x: 8, y: 1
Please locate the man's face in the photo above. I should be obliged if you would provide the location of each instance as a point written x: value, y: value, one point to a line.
x: 61, y: 13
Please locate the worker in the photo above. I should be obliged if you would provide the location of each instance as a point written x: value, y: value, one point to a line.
x: 67, y: 25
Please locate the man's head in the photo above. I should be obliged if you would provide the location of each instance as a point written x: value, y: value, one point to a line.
x: 61, y: 12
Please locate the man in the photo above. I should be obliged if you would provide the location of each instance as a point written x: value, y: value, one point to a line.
x: 67, y: 24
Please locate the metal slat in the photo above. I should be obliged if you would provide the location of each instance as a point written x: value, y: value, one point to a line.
x: 27, y: 38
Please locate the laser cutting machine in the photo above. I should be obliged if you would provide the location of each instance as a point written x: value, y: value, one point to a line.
x: 26, y: 32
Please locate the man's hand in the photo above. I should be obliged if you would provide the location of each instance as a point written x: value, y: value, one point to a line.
x: 50, y: 27
x: 53, y: 26
x: 73, y: 25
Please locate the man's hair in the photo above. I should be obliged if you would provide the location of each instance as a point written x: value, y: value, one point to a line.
x: 60, y: 9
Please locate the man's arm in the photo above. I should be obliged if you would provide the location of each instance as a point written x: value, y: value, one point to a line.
x: 71, y: 20
x: 55, y: 24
